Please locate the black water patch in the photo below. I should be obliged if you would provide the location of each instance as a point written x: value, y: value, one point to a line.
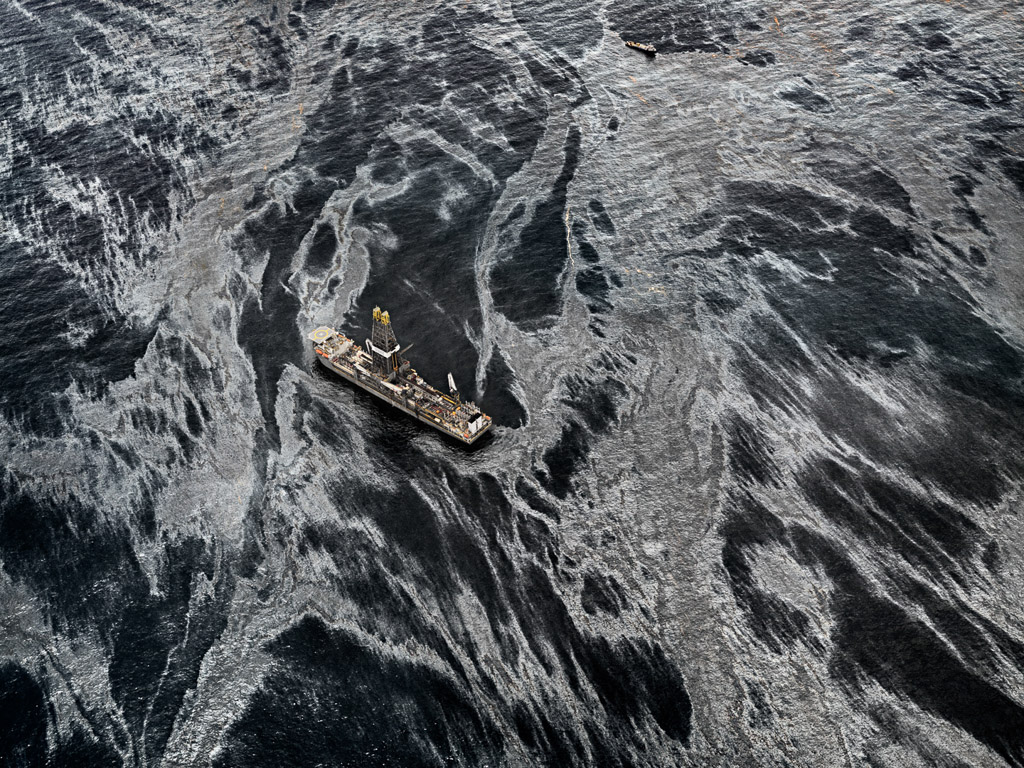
x: 971, y: 98
x: 985, y: 91
x: 588, y: 253
x: 363, y: 99
x: 757, y: 58
x: 772, y: 212
x: 84, y: 569
x: 954, y: 623
x: 317, y: 8
x: 498, y: 399
x: 1013, y: 168
x: 602, y: 593
x: 559, y: 747
x: 633, y: 679
x: 185, y: 442
x: 526, y: 286
x: 891, y: 721
x: 1006, y: 643
x: 52, y: 333
x: 23, y: 714
x: 601, y: 745
x: 121, y: 159
x: 331, y: 43
x: 484, y: 566
x: 525, y: 729
x: 681, y: 29
x: 87, y: 573
x: 600, y: 218
x: 865, y: 308
x: 571, y: 29
x: 535, y: 535
x: 322, y: 421
x: 617, y: 361
x: 555, y: 81
x: 866, y: 181
x: 388, y: 166
x: 331, y: 699
x: 759, y: 712
x: 273, y: 63
x: 160, y: 640
x: 594, y: 285
x: 806, y: 99
x: 862, y: 29
x: 596, y: 407
x: 719, y: 303
x: 950, y: 247
x: 383, y: 83
x: 877, y: 639
x: 645, y: 671
x: 80, y: 749
x: 516, y: 213
x: 926, y: 532
x: 938, y: 42
x: 323, y: 248
x: 967, y: 456
x: 192, y: 419
x: 911, y: 71
x: 969, y: 216
x: 564, y: 459
x: 948, y: 527
x: 410, y: 524
x: 986, y: 147
x: 394, y: 615
x: 767, y: 391
x: 446, y: 555
x: 535, y: 501
x: 143, y: 640
x: 266, y: 329
x: 99, y: 151
x: 241, y: 76
x: 596, y: 401
x: 750, y: 457
x: 773, y: 620
x: 995, y: 92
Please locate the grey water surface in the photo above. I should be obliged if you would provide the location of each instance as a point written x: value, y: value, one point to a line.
x: 748, y: 316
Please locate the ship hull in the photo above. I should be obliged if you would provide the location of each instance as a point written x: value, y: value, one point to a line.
x: 398, y: 403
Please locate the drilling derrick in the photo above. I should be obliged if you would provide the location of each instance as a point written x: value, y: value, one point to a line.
x: 384, y: 346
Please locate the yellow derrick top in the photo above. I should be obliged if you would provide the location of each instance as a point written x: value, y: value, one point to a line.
x: 376, y: 313
x: 385, y: 318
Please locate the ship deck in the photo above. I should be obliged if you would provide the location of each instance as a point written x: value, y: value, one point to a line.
x: 409, y: 392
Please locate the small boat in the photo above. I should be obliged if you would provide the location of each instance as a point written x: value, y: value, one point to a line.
x: 645, y: 47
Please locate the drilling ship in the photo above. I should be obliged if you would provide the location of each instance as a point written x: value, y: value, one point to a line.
x: 382, y: 370
x: 647, y: 48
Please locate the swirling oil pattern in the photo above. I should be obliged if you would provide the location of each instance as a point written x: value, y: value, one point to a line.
x: 748, y: 316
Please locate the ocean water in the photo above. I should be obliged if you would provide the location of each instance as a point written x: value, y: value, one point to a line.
x: 748, y: 316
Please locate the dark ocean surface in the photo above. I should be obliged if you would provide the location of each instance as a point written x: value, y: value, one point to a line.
x: 748, y: 316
